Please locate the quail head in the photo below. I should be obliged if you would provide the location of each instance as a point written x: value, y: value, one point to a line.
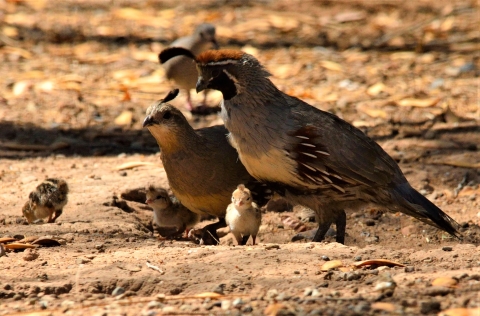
x: 181, y: 69
x: 169, y: 212
x: 202, y: 168
x: 313, y: 157
x: 47, y: 200
x: 243, y: 215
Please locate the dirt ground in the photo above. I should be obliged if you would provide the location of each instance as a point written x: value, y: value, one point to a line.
x: 77, y: 77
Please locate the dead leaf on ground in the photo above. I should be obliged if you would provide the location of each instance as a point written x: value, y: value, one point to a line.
x: 124, y: 119
x: 329, y: 265
x: 18, y: 246
x: 4, y: 240
x: 388, y: 307
x: 330, y: 65
x: 274, y: 309
x: 47, y: 242
x: 208, y: 295
x: 134, y: 164
x: 378, y: 262
x: 420, y: 103
x: 460, y: 312
x: 445, y: 281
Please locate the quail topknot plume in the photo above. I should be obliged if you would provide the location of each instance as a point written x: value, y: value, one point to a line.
x: 243, y: 216
x: 47, y: 200
x: 315, y: 158
x: 202, y: 168
x: 181, y: 69
x: 169, y: 212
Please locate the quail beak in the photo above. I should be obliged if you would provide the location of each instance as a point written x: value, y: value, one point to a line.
x: 239, y: 203
x: 148, y: 201
x: 149, y: 121
x: 201, y: 85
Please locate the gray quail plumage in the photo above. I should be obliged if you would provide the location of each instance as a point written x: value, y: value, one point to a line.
x: 315, y: 158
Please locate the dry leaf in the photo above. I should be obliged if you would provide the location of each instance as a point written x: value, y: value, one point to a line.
x: 329, y: 265
x: 47, y: 242
x: 445, y: 281
x: 20, y: 87
x: 377, y: 262
x: 133, y: 164
x: 284, y: 23
x: 208, y: 295
x: 460, y: 312
x: 6, y: 239
x: 144, y: 56
x: 376, y: 89
x: 389, y: 307
x: 273, y: 309
x: 125, y: 118
x: 18, y: 51
x: 29, y: 239
x: 16, y: 245
x: 350, y: 16
x: 420, y: 103
x: 330, y: 65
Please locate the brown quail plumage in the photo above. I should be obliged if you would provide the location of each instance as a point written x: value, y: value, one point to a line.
x: 47, y: 200
x: 202, y: 168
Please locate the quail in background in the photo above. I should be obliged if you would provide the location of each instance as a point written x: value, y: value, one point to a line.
x: 313, y: 157
x: 181, y: 69
x: 243, y: 216
x: 202, y: 168
x: 168, y: 212
x: 47, y: 200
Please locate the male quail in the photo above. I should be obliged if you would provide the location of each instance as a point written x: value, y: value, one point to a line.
x: 47, y: 200
x: 243, y: 215
x: 317, y: 159
x: 202, y: 168
x: 181, y: 69
x: 168, y: 212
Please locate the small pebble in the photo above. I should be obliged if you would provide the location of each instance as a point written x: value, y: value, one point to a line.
x: 447, y: 248
x: 429, y: 307
x: 296, y: 272
x: 237, y: 303
x: 82, y: 260
x: 357, y: 258
x: 118, y: 291
x: 154, y: 304
x: 226, y: 304
x: 370, y: 222
x: 325, y: 258
x: 247, y: 309
x: 409, y: 269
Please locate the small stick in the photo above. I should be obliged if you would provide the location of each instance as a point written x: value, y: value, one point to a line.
x: 154, y: 267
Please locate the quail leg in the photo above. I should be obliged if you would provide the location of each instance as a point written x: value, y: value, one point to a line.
x: 244, y: 240
x: 341, y: 223
x: 253, y: 239
x: 210, y: 236
x: 50, y: 217
x: 189, y: 101
x: 57, y: 215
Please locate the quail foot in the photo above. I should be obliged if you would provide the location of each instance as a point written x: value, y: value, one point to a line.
x: 47, y: 200
x: 315, y: 158
x: 169, y: 212
x: 182, y: 70
x: 243, y: 216
x: 202, y: 168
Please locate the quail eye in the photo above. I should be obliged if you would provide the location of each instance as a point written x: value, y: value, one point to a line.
x: 248, y: 199
x: 159, y: 197
x: 167, y: 115
x: 216, y: 73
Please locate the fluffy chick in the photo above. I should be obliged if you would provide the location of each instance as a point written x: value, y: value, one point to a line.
x: 243, y: 215
x: 169, y: 212
x: 47, y: 200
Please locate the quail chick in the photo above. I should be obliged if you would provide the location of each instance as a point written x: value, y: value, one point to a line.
x: 313, y: 157
x: 202, y: 168
x: 168, y: 212
x: 47, y: 200
x: 243, y: 216
x: 181, y: 69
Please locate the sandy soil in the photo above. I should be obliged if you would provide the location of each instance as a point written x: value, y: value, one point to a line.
x: 77, y: 77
